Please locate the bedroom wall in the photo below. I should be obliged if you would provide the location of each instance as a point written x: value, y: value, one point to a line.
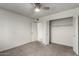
x: 15, y: 30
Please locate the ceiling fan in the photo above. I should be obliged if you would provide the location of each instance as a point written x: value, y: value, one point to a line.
x: 39, y: 6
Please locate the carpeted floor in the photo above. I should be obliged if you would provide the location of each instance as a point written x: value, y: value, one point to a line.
x: 38, y: 49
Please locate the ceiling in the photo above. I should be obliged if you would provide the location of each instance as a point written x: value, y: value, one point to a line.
x: 27, y: 9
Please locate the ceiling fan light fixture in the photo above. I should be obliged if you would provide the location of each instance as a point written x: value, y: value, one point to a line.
x: 37, y: 10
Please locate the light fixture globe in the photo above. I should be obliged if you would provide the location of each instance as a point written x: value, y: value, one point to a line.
x: 37, y: 9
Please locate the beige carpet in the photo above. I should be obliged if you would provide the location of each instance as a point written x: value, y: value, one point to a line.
x: 38, y: 49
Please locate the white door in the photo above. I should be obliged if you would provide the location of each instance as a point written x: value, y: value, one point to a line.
x: 62, y: 31
x: 40, y: 32
x: 34, y: 31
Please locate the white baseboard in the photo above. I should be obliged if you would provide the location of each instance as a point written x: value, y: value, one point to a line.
x: 14, y: 46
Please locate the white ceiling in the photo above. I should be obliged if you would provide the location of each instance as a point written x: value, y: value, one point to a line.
x: 27, y: 9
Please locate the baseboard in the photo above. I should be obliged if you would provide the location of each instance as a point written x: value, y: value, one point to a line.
x: 61, y: 44
x: 14, y: 46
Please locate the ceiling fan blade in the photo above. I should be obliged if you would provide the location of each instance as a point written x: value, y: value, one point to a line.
x: 45, y: 8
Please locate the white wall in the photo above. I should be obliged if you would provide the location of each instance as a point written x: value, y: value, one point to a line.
x: 15, y: 30
x: 65, y: 14
x: 62, y: 31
